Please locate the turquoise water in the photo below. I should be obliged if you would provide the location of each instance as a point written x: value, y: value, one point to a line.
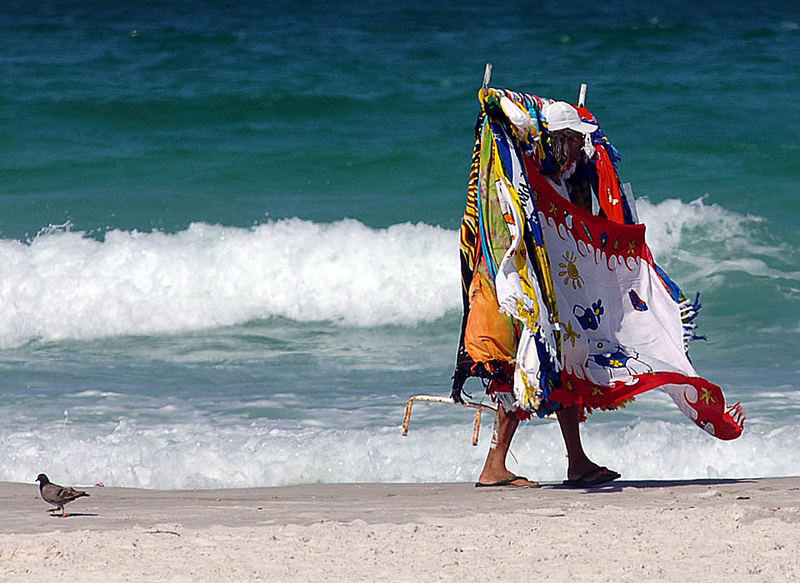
x: 229, y: 249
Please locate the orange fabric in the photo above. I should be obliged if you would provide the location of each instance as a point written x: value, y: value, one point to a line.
x: 489, y: 335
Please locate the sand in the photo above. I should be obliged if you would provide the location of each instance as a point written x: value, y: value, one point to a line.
x: 700, y: 530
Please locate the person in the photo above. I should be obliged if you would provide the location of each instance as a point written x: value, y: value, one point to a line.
x: 568, y: 135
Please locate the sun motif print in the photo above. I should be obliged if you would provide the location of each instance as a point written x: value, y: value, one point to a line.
x: 569, y: 271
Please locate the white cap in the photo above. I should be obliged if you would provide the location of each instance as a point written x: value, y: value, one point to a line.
x: 560, y: 115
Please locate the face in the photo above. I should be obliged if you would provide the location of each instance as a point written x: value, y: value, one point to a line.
x: 574, y: 145
x: 566, y: 147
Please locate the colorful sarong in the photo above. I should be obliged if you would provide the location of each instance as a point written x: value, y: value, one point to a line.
x: 562, y: 307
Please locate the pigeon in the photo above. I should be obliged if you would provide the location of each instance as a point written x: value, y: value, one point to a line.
x: 57, y: 495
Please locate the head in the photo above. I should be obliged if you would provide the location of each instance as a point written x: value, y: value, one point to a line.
x: 567, y: 131
x: 567, y: 146
x: 42, y: 479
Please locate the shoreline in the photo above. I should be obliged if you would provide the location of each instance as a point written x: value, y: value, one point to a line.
x: 714, y: 529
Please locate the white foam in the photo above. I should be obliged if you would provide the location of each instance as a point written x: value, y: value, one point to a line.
x: 66, y: 285
x: 703, y: 241
x: 697, y: 229
x: 671, y: 221
x: 96, y: 395
x: 184, y: 455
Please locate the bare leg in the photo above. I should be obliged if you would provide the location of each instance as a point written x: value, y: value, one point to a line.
x: 494, y: 469
x: 579, y: 463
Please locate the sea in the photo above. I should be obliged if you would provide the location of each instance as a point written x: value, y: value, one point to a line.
x: 229, y: 231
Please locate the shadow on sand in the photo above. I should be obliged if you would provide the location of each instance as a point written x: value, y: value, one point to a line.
x: 618, y: 485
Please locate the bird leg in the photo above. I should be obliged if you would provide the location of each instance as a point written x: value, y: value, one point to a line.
x: 61, y: 508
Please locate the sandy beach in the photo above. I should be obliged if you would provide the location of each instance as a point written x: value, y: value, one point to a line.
x: 700, y: 530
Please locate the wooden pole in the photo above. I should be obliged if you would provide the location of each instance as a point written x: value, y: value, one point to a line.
x: 487, y: 76
x: 582, y: 96
x: 436, y: 399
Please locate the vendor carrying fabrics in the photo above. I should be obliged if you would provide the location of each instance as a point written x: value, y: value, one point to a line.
x: 565, y: 309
